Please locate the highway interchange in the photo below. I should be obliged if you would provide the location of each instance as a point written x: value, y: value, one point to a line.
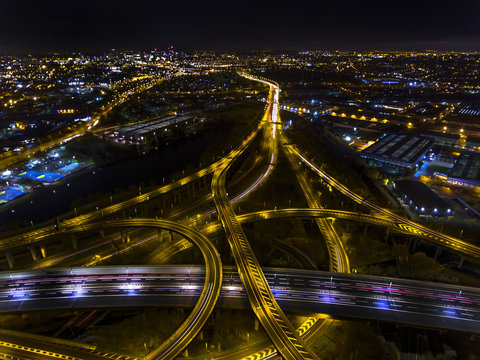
x: 349, y: 295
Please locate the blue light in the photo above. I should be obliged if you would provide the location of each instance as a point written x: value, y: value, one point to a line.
x: 382, y: 304
x: 78, y: 291
x: 19, y: 294
x: 327, y: 298
x: 449, y: 312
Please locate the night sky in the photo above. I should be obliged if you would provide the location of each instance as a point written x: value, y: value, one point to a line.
x: 96, y: 26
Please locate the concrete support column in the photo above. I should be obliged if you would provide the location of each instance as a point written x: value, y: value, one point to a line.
x: 43, y: 250
x: 164, y: 207
x: 409, y: 242
x: 415, y: 244
x: 10, y: 259
x: 460, y: 263
x: 33, y: 252
x: 365, y: 229
x: 74, y: 241
x: 438, y: 252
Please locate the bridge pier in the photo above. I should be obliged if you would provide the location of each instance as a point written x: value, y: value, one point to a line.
x: 10, y: 258
x: 365, y: 229
x: 33, y: 252
x: 460, y: 263
x: 415, y: 244
x: 164, y: 207
x: 74, y: 241
x: 438, y: 252
x: 125, y: 236
x: 409, y: 242
x: 43, y: 250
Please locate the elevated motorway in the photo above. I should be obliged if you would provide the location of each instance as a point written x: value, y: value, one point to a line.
x: 37, y: 235
x: 279, y: 329
x: 332, y: 214
x: 22, y: 346
x: 457, y: 245
x: 339, y: 261
x: 220, y: 168
x: 410, y: 302
x: 209, y: 290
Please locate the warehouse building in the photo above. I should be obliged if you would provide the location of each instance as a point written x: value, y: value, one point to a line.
x: 398, y: 151
x: 466, y: 171
x: 420, y: 199
x: 141, y: 132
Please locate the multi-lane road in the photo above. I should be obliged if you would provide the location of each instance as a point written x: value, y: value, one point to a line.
x: 410, y: 302
x: 268, y: 291
x: 277, y: 326
x: 209, y: 290
x: 339, y: 261
x: 414, y: 228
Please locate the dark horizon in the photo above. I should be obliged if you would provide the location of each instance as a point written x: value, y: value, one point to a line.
x: 96, y: 26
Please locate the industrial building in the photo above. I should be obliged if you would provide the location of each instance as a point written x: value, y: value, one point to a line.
x: 466, y: 171
x: 139, y: 133
x: 441, y: 138
x: 420, y: 199
x: 398, y: 151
